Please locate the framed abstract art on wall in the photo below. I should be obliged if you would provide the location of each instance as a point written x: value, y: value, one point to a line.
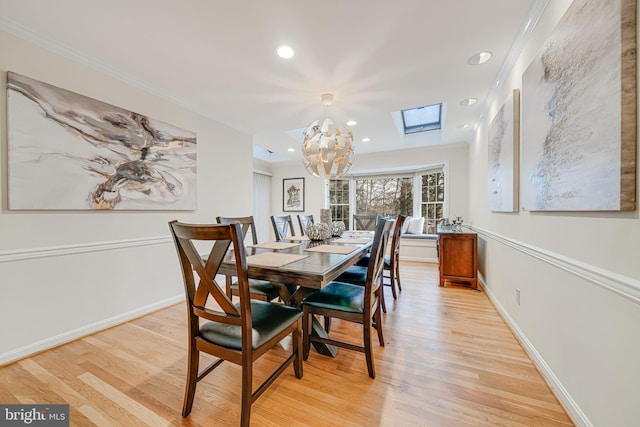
x: 68, y: 151
x: 503, y: 156
x: 579, y: 112
x: 293, y: 195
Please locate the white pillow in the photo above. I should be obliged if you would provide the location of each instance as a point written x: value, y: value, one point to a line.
x: 405, y: 225
x: 415, y: 225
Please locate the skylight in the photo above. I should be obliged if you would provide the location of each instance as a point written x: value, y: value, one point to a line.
x: 422, y: 119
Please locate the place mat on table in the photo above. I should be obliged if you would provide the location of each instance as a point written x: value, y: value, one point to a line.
x: 356, y: 241
x: 275, y: 245
x: 358, y: 233
x: 333, y: 249
x: 273, y: 259
x: 296, y: 238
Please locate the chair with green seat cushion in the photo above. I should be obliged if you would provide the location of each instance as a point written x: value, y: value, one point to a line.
x: 353, y: 303
x: 392, y: 262
x: 265, y: 324
x: 259, y: 289
x: 348, y: 297
x: 357, y: 275
x: 239, y: 333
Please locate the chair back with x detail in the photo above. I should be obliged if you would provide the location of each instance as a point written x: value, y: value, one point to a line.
x: 239, y: 333
x: 354, y: 303
x: 281, y: 226
x: 304, y: 221
x: 247, y: 223
x: 365, y: 222
x: 259, y: 289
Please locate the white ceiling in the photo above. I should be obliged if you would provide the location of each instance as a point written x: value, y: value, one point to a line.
x: 218, y: 58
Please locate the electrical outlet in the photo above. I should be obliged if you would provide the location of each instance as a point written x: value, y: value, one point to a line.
x: 517, y: 296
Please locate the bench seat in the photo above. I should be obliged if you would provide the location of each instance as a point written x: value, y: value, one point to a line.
x: 419, y: 247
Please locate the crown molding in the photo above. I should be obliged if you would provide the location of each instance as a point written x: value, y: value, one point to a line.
x: 518, y: 45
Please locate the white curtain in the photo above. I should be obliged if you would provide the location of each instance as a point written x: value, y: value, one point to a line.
x: 262, y: 206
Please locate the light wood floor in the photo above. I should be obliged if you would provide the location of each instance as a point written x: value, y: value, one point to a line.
x: 449, y: 360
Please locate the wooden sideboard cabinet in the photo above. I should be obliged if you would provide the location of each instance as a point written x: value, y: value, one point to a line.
x: 458, y: 258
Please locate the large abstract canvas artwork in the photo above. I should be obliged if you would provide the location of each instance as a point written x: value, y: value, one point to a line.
x: 579, y: 112
x: 68, y: 151
x: 504, y: 133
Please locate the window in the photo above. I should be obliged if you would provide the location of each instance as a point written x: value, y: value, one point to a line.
x: 385, y: 196
x: 417, y: 193
x: 432, y: 203
x: 339, y: 200
x: 422, y: 119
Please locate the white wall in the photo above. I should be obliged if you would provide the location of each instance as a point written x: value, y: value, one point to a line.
x: 455, y: 157
x: 578, y: 274
x: 68, y: 273
x: 314, y: 190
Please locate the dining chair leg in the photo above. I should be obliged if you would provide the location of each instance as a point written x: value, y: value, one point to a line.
x: 228, y: 281
x: 368, y: 353
x: 297, y: 347
x: 392, y: 281
x: 378, y: 324
x: 327, y: 323
x: 247, y: 384
x: 306, y: 330
x: 382, y: 302
x: 398, y: 275
x: 192, y: 379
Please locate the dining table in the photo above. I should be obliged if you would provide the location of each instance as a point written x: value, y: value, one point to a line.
x: 302, y: 264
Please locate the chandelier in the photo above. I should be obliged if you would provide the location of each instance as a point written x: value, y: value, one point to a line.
x: 327, y: 149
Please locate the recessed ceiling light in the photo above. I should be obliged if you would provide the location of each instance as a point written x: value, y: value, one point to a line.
x: 464, y: 126
x: 479, y: 58
x: 468, y: 101
x: 366, y: 139
x: 352, y: 123
x: 285, y: 52
x: 291, y: 150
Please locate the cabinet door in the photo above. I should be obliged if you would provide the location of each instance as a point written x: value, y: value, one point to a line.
x: 457, y: 255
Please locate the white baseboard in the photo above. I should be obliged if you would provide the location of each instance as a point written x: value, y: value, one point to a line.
x: 572, y: 408
x: 48, y: 343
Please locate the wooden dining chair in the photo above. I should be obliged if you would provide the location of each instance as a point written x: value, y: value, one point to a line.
x: 281, y: 226
x: 239, y: 333
x: 258, y: 289
x: 304, y: 221
x: 365, y: 222
x: 391, y: 263
x: 353, y: 303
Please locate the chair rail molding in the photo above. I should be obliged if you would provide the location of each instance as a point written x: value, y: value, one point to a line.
x: 45, y: 252
x: 624, y: 286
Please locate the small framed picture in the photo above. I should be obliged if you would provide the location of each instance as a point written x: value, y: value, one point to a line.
x: 293, y: 195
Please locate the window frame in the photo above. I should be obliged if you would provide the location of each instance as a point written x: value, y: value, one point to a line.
x: 348, y: 204
x: 421, y: 126
x: 424, y: 205
x: 415, y: 172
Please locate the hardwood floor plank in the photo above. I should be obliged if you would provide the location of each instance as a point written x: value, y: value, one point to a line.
x: 127, y: 403
x: 449, y: 360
